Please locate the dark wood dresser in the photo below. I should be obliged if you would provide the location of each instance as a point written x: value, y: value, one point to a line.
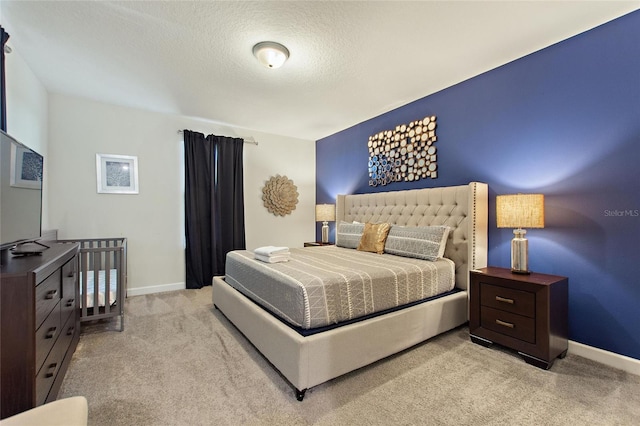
x: 527, y: 313
x: 40, y: 323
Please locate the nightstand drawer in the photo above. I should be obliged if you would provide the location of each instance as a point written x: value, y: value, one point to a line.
x: 509, y: 324
x: 507, y: 299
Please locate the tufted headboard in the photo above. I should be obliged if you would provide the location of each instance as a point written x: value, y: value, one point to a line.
x: 463, y: 208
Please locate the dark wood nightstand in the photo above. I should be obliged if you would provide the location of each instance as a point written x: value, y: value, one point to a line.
x: 527, y: 313
x: 317, y: 244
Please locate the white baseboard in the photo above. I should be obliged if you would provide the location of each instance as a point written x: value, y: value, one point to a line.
x: 611, y: 359
x: 139, y: 291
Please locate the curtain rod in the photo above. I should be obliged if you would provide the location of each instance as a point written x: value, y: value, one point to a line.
x: 249, y: 139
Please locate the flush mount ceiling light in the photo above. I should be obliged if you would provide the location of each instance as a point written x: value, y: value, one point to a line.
x: 271, y: 54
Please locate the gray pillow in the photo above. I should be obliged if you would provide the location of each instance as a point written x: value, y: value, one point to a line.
x: 349, y: 234
x: 421, y: 242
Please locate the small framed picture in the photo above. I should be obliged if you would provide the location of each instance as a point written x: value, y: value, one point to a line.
x: 26, y: 168
x: 117, y: 174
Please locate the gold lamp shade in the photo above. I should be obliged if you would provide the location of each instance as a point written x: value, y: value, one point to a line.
x: 324, y: 214
x: 520, y: 211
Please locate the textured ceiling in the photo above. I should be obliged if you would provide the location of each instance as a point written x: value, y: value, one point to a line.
x: 350, y: 61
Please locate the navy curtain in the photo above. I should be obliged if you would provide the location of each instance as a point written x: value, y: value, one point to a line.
x: 4, y: 37
x: 214, y: 204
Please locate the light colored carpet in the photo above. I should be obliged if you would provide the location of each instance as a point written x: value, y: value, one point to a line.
x: 180, y: 362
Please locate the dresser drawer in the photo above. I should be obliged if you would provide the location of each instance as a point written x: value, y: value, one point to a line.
x: 47, y: 374
x: 68, y: 303
x: 47, y: 297
x: 46, y: 336
x: 507, y: 299
x: 68, y: 330
x: 509, y: 324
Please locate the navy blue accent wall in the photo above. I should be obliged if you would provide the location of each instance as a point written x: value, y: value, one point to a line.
x: 565, y: 122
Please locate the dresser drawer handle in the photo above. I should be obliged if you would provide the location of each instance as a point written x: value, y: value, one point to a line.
x: 502, y: 299
x: 70, y: 302
x: 52, y: 370
x: 50, y: 333
x: 51, y: 294
x: 506, y: 324
x: 70, y: 331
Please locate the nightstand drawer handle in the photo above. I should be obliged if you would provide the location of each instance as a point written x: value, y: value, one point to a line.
x: 506, y: 324
x: 502, y: 299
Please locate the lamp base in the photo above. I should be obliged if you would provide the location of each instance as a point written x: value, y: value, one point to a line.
x: 325, y: 232
x: 519, y: 252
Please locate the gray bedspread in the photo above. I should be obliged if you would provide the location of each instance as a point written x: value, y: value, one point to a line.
x: 326, y: 285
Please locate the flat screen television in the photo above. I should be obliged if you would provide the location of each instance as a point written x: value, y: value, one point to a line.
x: 20, y: 193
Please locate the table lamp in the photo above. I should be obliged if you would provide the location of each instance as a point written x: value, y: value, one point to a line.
x: 324, y: 214
x: 520, y: 211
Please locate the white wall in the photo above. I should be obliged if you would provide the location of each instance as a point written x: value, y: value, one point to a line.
x: 27, y: 114
x: 153, y: 220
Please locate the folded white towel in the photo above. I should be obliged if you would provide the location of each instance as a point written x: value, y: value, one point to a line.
x: 273, y: 259
x: 271, y: 251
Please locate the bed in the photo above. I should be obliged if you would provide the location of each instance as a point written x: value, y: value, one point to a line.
x: 307, y: 360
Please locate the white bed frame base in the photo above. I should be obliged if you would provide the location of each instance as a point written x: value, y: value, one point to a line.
x: 307, y: 361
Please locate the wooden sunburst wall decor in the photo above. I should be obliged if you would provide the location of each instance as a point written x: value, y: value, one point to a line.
x: 280, y: 195
x: 407, y: 153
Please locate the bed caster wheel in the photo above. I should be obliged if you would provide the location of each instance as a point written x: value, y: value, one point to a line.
x: 300, y: 394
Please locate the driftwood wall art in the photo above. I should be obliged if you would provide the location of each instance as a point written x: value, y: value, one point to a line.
x: 280, y: 195
x: 405, y: 154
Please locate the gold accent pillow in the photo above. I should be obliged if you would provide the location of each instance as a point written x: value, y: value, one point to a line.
x: 374, y: 237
